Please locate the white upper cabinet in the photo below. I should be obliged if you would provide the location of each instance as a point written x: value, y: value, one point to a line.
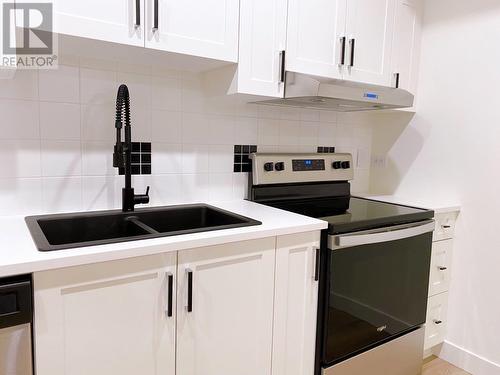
x: 205, y: 28
x: 315, y: 32
x: 262, y: 42
x: 225, y: 309
x: 369, y: 31
x: 107, y: 318
x: 115, y: 21
x: 406, y: 46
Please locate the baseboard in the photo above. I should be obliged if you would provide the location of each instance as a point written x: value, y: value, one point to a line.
x: 467, y: 360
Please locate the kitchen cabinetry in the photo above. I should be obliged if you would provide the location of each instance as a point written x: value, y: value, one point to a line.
x: 115, y: 21
x: 107, y: 318
x: 225, y: 318
x: 315, y: 37
x: 341, y: 39
x: 370, y: 32
x: 296, y: 304
x: 439, y: 283
x: 205, y: 28
x: 262, y: 47
x: 238, y: 308
x: 406, y: 45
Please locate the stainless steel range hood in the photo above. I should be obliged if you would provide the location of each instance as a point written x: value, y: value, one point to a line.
x: 307, y: 91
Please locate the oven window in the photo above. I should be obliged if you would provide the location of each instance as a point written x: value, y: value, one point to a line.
x: 376, y: 292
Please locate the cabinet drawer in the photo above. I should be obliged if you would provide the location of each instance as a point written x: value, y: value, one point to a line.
x: 445, y: 225
x: 439, y: 281
x: 435, y: 326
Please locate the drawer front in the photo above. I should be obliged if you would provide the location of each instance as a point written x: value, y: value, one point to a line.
x: 445, y: 225
x: 435, y: 326
x: 440, y: 267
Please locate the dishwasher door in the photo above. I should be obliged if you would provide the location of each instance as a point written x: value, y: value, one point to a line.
x: 15, y: 350
x: 16, y: 317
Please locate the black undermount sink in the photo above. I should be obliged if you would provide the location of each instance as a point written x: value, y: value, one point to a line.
x: 66, y: 231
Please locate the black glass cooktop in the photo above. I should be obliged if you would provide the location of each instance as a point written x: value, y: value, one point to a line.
x: 349, y: 214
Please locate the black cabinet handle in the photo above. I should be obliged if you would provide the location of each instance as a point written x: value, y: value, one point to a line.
x: 282, y: 66
x: 438, y: 322
x: 317, y: 265
x: 190, y: 291
x: 397, y: 80
x: 446, y: 226
x: 353, y: 46
x: 442, y: 268
x: 343, y: 41
x: 170, y: 286
x: 137, y: 13
x: 155, y: 15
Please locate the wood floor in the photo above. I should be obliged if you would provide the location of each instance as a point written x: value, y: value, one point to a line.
x: 436, y: 366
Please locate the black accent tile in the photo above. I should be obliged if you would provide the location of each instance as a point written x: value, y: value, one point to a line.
x: 320, y: 150
x: 136, y: 147
x: 245, y: 159
x: 246, y: 168
x: 146, y: 158
x: 121, y: 171
x: 136, y: 158
x: 237, y: 168
x: 253, y: 149
x: 136, y: 169
x: 237, y: 149
x: 246, y: 149
x: 237, y: 158
x: 331, y: 150
x: 146, y: 169
x: 146, y: 147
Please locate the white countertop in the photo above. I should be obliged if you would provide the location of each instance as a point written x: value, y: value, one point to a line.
x: 18, y: 253
x: 436, y: 206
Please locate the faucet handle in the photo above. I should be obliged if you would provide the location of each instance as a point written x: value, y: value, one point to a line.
x: 142, y: 198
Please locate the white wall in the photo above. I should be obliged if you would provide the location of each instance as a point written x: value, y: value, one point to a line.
x: 57, y: 135
x: 450, y: 150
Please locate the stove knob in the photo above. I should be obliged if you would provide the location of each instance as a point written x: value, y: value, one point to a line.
x: 337, y: 165
x: 268, y: 167
x: 279, y: 166
x: 346, y: 164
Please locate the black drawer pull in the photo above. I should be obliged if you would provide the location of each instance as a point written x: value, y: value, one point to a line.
x: 438, y: 322
x: 317, y: 265
x: 170, y: 295
x: 137, y: 13
x: 190, y: 291
x: 442, y: 268
x: 155, y: 15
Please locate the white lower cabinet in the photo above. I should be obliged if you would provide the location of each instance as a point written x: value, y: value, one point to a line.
x: 106, y: 318
x: 435, y: 327
x: 296, y: 304
x: 229, y: 330
x: 242, y: 308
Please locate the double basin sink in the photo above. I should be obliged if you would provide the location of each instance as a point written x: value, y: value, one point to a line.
x: 65, y: 231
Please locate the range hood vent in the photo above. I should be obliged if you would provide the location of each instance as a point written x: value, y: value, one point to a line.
x: 307, y: 91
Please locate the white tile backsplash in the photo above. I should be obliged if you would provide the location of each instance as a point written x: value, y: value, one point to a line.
x: 57, y: 136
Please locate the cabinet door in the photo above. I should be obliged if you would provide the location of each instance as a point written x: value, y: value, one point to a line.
x: 228, y: 329
x: 106, y: 318
x: 111, y: 20
x: 262, y: 38
x: 370, y: 28
x: 296, y: 304
x: 406, y: 46
x: 315, y: 29
x: 205, y: 28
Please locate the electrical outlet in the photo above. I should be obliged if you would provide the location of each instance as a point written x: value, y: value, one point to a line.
x: 379, y: 161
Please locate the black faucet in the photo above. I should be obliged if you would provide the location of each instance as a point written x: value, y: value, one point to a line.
x: 122, y: 156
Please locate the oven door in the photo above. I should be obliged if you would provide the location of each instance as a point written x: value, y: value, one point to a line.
x: 377, y: 287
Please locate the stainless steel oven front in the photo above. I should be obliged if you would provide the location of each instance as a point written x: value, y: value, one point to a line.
x: 375, y: 298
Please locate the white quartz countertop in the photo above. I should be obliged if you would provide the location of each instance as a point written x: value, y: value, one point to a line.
x: 18, y: 253
x: 438, y: 206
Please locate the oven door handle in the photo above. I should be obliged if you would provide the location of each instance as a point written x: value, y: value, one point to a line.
x: 394, y: 233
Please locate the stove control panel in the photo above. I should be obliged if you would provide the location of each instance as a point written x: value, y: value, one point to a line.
x: 296, y: 168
